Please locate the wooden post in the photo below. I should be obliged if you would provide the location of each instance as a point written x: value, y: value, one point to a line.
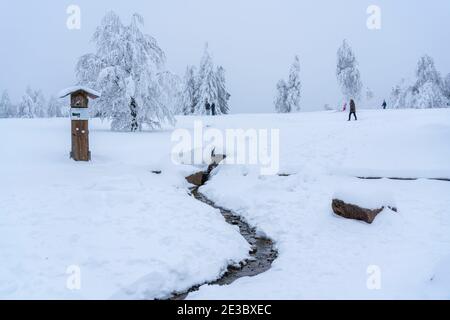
x: 79, y: 113
x: 80, y: 128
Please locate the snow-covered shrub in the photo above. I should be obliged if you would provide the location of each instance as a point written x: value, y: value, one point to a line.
x: 289, y: 93
x: 32, y: 104
x: 126, y: 68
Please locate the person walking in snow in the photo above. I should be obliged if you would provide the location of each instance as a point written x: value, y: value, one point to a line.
x: 384, y: 105
x: 345, y: 107
x: 352, y: 110
x: 208, y: 108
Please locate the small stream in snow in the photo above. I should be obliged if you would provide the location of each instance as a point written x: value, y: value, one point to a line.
x: 262, y: 254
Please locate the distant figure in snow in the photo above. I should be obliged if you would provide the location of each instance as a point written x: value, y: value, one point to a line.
x: 345, y: 107
x: 208, y: 108
x: 352, y: 110
x: 213, y: 109
x: 384, y: 105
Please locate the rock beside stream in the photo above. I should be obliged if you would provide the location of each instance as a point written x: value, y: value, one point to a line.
x: 359, y: 200
x: 197, y: 179
x: 351, y: 211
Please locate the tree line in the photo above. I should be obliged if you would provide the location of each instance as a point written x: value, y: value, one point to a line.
x: 33, y: 104
x: 428, y: 90
x: 138, y: 92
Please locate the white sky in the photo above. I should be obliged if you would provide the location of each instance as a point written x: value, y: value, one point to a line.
x: 255, y: 40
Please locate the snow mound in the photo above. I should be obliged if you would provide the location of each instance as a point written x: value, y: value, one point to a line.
x: 367, y: 197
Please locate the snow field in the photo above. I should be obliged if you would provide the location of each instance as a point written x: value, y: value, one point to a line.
x: 135, y: 234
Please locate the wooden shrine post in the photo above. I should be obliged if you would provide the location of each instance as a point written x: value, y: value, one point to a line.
x: 79, y: 113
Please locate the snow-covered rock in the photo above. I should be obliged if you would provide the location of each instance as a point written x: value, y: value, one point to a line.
x: 364, y: 196
x: 354, y: 202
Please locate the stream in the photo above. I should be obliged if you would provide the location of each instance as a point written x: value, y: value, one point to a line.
x: 262, y: 254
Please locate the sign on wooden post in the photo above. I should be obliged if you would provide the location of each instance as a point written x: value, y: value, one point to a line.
x: 79, y: 113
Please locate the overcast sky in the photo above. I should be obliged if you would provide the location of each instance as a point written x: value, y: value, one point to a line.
x: 255, y: 40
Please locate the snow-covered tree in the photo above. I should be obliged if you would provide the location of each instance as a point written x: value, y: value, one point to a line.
x: 27, y: 107
x: 447, y: 86
x: 126, y: 69
x: 189, y: 98
x: 428, y: 91
x: 171, y: 90
x: 54, y: 108
x: 429, y: 96
x: 208, y: 86
x: 32, y: 104
x: 397, y: 98
x: 347, y: 72
x: 289, y: 93
x: 369, y: 94
x: 222, y: 94
x: 294, y: 86
x: 426, y: 72
x: 281, y: 97
x: 5, y: 106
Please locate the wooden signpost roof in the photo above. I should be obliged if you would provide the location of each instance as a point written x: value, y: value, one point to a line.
x: 90, y: 92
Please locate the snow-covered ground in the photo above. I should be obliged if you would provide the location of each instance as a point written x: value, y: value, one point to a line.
x: 135, y: 234
x: 327, y: 257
